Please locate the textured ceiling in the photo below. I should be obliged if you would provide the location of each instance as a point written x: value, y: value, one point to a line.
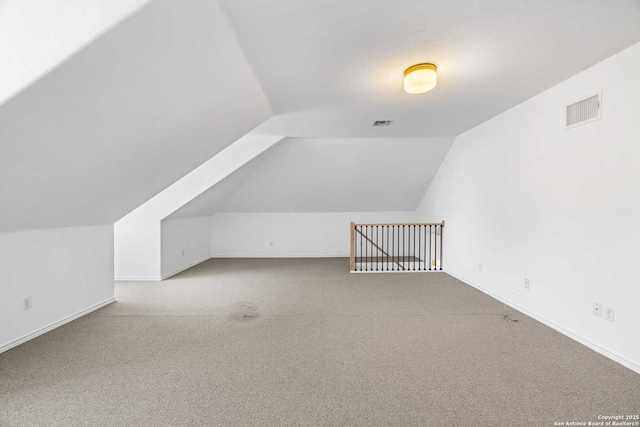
x: 328, y: 175
x: 332, y: 67
x: 126, y: 117
x: 174, y: 84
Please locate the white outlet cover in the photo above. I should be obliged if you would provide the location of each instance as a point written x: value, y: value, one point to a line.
x: 527, y: 284
x: 480, y: 266
x: 597, y: 309
x: 609, y: 314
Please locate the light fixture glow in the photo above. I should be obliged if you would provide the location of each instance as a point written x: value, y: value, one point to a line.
x: 420, y: 78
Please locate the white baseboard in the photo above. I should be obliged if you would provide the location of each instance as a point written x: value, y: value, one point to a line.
x: 54, y: 325
x: 584, y: 341
x: 139, y: 279
x: 399, y: 271
x: 279, y: 256
x: 226, y: 256
x: 186, y: 267
x: 161, y: 278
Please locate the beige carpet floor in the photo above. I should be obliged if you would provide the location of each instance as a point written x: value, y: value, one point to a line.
x: 291, y: 342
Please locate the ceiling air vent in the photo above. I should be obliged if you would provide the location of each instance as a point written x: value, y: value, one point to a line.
x: 584, y: 111
x: 382, y: 122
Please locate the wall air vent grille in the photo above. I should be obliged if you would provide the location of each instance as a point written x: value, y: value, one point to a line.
x: 382, y: 122
x: 584, y: 111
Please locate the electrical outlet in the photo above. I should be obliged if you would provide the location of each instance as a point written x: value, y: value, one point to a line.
x: 26, y: 303
x: 480, y: 266
x: 609, y: 314
x: 597, y: 309
x: 183, y: 252
x: 270, y: 243
x: 527, y: 285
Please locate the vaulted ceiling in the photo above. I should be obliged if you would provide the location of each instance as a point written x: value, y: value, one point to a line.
x: 126, y: 117
x: 175, y: 83
x: 331, y: 67
x: 328, y: 175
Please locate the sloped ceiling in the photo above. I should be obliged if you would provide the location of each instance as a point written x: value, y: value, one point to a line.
x: 170, y: 87
x: 124, y: 118
x: 328, y: 175
x: 37, y: 35
x: 332, y: 67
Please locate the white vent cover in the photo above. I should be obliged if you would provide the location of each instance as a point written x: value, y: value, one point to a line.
x: 584, y: 111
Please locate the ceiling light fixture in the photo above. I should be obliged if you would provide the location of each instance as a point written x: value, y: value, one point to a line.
x: 420, y: 78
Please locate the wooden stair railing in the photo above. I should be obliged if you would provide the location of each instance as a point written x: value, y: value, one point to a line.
x: 399, y: 247
x: 380, y: 249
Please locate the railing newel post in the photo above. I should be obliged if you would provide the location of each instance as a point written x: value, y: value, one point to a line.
x: 352, y: 257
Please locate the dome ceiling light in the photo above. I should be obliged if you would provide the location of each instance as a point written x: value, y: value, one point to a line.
x: 420, y: 78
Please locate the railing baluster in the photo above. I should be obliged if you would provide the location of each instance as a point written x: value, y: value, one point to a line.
x: 370, y: 234
x: 385, y: 260
x: 388, y: 246
x: 393, y: 243
x: 411, y: 260
x: 403, y: 244
x: 434, y: 238
x: 360, y: 248
x: 437, y: 257
x: 409, y: 246
x: 382, y: 246
x: 439, y: 262
x: 410, y: 252
x: 398, y: 244
x: 360, y: 252
x: 386, y: 228
x: 414, y: 247
x: 422, y: 254
x: 359, y: 257
x: 371, y: 247
x: 407, y: 242
x: 437, y: 251
x: 429, y: 248
x: 425, y: 247
x: 441, y: 234
x: 377, y: 251
x: 366, y: 249
x: 419, y: 247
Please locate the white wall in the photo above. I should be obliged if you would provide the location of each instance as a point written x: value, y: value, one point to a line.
x: 292, y: 234
x: 185, y: 243
x: 527, y: 198
x: 138, y: 251
x: 65, y: 271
